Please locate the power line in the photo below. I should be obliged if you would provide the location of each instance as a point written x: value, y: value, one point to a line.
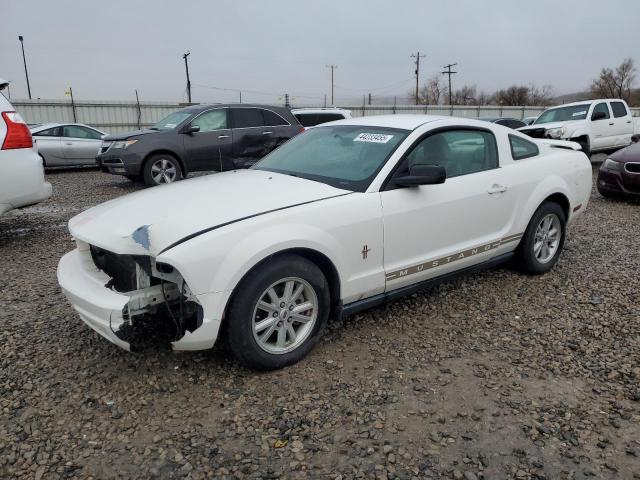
x: 449, y: 72
x: 417, y: 56
x: 253, y: 92
x: 395, y: 84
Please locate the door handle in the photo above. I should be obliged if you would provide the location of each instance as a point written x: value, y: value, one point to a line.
x: 68, y: 143
x: 628, y: 121
x: 495, y: 189
x: 267, y: 133
x: 223, y: 136
x: 611, y: 123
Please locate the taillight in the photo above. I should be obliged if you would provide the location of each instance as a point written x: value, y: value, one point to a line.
x: 302, y: 129
x: 18, y: 134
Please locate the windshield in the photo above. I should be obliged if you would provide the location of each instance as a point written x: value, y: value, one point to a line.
x: 343, y: 156
x: 564, y: 114
x: 171, y: 121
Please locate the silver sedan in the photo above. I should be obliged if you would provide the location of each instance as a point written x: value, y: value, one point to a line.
x: 67, y: 144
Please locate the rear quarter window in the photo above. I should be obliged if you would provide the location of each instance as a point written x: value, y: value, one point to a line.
x: 313, y: 119
x: 619, y: 110
x: 522, y: 148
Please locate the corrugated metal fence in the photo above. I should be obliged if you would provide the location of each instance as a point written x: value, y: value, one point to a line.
x: 114, y: 117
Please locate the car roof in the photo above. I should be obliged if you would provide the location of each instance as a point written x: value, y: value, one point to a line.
x: 587, y: 102
x: 319, y: 110
x: 44, y: 126
x: 402, y: 121
x: 205, y: 106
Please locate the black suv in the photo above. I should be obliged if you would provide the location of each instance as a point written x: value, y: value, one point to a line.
x: 202, y: 137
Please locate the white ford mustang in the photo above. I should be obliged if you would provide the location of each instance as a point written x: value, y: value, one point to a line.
x: 343, y: 217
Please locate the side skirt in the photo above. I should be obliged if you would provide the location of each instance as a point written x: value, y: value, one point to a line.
x: 382, y: 298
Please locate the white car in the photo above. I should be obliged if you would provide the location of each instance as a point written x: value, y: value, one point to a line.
x: 67, y: 144
x: 596, y: 125
x: 342, y: 217
x: 21, y: 174
x: 310, y: 117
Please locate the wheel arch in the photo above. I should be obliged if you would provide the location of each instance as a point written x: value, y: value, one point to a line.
x: 319, y: 259
x: 562, y: 200
x: 165, y: 151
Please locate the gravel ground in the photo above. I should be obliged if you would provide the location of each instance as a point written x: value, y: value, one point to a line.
x: 494, y: 376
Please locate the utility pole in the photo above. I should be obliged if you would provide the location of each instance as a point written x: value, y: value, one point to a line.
x: 73, y: 104
x: 369, y: 99
x: 240, y: 92
x: 332, y: 67
x: 287, y: 102
x: 24, y: 60
x: 417, y: 56
x: 139, y: 111
x: 449, y: 72
x: 186, y: 66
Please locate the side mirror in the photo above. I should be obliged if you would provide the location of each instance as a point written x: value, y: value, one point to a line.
x: 598, y: 116
x: 422, y: 175
x: 191, y: 129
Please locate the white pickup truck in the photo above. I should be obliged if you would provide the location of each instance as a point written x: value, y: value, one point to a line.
x: 596, y: 125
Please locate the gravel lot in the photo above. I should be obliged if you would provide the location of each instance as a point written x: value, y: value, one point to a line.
x: 495, y: 376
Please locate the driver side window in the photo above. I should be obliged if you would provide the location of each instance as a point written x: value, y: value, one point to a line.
x: 211, y: 120
x: 600, y: 108
x: 460, y: 152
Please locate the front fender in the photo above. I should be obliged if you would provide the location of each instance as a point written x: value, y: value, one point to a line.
x: 214, y: 263
x: 578, y: 132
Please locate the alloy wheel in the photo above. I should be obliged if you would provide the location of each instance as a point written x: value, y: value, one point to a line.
x: 547, y: 238
x: 285, y: 315
x: 163, y: 171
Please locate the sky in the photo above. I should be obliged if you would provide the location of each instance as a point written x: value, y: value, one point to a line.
x: 107, y: 49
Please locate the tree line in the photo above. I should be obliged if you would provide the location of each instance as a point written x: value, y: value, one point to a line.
x: 611, y: 83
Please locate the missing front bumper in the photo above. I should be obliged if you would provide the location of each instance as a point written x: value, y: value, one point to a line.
x: 150, y: 314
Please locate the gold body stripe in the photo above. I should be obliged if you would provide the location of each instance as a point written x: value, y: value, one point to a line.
x: 451, y: 258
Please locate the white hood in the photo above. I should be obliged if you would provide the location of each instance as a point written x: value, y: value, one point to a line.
x: 149, y: 221
x: 550, y: 125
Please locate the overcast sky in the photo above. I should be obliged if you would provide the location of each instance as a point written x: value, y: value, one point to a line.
x: 107, y: 49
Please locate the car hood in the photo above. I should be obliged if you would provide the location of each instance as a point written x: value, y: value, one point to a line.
x: 629, y: 154
x: 152, y: 220
x: 126, y: 135
x: 548, y: 126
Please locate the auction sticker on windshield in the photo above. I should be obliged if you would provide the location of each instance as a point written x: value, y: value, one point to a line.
x: 373, y: 138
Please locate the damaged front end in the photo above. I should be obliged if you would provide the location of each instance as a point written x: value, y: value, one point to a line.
x: 131, y: 300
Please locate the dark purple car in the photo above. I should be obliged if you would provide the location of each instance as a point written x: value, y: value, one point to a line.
x: 620, y: 173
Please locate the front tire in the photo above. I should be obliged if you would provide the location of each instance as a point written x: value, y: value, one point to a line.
x: 543, y: 240
x: 161, y: 169
x: 584, y: 145
x: 278, y: 313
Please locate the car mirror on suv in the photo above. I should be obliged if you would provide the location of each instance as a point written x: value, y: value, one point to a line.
x: 598, y: 116
x: 422, y: 175
x: 191, y: 129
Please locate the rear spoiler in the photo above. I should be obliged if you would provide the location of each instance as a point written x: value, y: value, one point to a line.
x: 561, y: 144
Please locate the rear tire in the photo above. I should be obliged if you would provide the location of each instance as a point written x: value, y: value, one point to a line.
x: 584, y: 144
x: 161, y: 169
x: 543, y: 240
x: 268, y: 326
